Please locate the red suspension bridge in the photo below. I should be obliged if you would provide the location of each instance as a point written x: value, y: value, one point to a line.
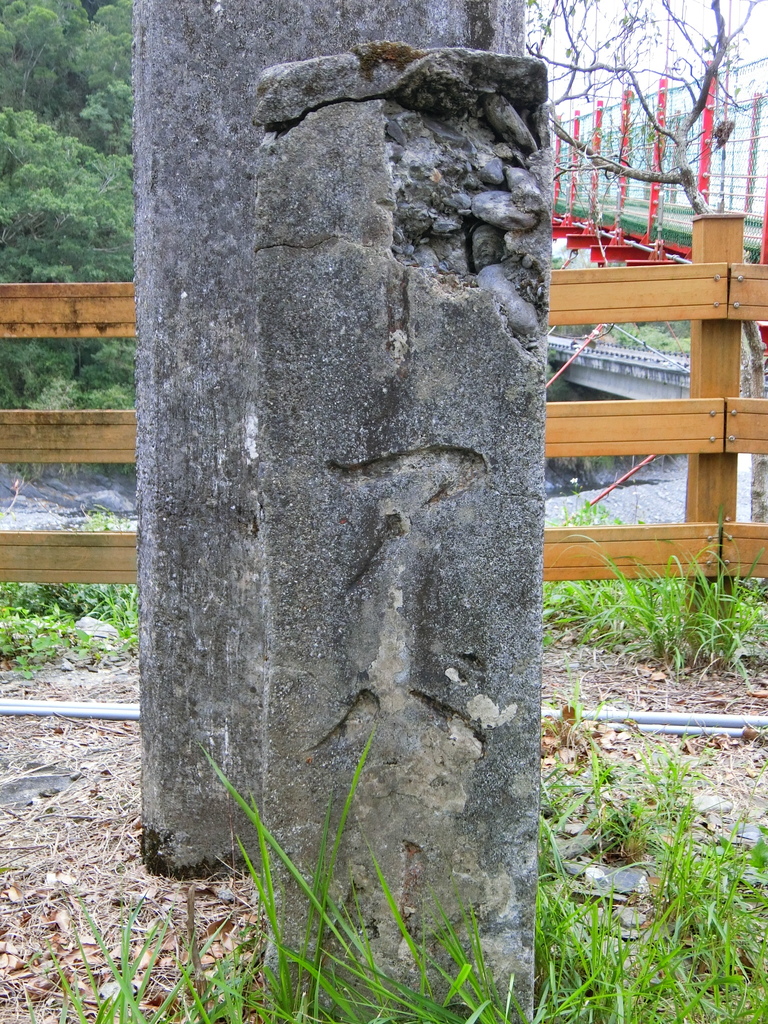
x: 618, y: 219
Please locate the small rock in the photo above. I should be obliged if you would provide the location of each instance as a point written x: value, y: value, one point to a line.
x: 508, y: 123
x: 425, y: 257
x: 24, y: 791
x: 524, y: 190
x: 492, y: 173
x: 460, y: 201
x: 445, y: 131
x: 112, y: 989
x: 66, y: 666
x: 96, y: 628
x: 570, y: 849
x: 487, y: 247
x: 630, y: 917
x: 445, y: 226
x: 705, y: 803
x: 631, y: 921
x: 574, y: 867
x: 747, y: 835
x: 521, y: 315
x: 503, y: 151
x: 607, y: 879
x: 500, y: 209
x: 395, y: 132
x: 629, y: 880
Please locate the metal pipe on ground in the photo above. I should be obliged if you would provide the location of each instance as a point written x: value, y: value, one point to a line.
x: 71, y: 709
x: 646, y: 721
x: 679, y: 724
x: 686, y: 730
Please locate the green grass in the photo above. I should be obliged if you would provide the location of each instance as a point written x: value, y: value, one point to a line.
x: 37, y: 621
x: 698, y: 955
x: 700, y: 952
x: 682, y: 617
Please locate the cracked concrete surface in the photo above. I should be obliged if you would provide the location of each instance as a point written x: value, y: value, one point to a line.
x: 394, y: 451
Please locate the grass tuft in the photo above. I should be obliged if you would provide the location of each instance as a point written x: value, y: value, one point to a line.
x: 682, y: 617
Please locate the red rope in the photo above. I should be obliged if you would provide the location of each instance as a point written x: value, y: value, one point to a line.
x: 590, y: 337
x: 622, y: 479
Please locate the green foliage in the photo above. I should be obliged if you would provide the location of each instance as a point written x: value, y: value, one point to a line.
x: 661, y: 336
x: 108, y: 108
x: 105, y: 374
x: 108, y: 113
x: 101, y: 520
x: 590, y: 515
x: 681, y: 617
x: 28, y: 368
x: 66, y: 206
x: 115, y: 603
x: 28, y: 642
x: 37, y: 620
x: 75, y: 74
x: 65, y: 209
x: 41, y: 41
x: 67, y: 374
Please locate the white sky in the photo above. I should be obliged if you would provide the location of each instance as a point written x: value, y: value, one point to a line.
x: 752, y: 45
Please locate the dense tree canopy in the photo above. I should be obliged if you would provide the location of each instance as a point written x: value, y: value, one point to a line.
x: 63, y: 206
x: 66, y: 205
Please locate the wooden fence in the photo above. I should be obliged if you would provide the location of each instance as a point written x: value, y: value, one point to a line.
x: 716, y: 292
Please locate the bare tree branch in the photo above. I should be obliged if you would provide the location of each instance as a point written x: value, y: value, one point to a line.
x: 604, y: 163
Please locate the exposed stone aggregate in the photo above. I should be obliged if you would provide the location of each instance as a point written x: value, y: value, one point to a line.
x: 470, y: 165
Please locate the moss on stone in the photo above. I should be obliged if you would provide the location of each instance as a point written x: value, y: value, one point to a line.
x: 399, y: 55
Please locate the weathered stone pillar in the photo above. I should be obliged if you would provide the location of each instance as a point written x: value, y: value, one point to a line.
x: 341, y: 458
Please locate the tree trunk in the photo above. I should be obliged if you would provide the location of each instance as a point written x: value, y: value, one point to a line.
x: 753, y: 386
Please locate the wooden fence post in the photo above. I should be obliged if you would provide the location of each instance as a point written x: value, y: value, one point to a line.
x: 715, y: 371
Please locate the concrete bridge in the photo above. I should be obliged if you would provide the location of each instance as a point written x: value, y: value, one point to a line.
x: 623, y: 372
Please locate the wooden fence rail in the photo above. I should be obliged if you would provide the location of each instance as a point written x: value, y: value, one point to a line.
x: 715, y: 292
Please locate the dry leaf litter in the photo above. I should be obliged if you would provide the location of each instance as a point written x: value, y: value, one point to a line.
x: 70, y: 853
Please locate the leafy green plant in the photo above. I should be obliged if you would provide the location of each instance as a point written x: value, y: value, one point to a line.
x: 100, y: 520
x: 587, y: 514
x: 37, y: 621
x: 27, y: 642
x: 115, y: 603
x: 682, y: 617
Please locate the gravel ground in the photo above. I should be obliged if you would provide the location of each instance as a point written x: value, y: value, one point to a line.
x: 655, y: 495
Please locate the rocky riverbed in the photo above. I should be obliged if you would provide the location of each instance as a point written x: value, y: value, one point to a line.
x: 655, y: 495
x: 63, y: 499
x: 57, y: 500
